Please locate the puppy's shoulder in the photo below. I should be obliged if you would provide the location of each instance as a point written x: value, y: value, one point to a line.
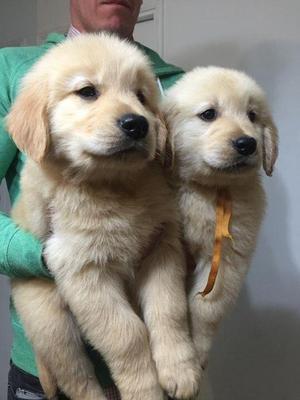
x: 249, y: 199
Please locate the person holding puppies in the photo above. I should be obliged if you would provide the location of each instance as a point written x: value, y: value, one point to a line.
x: 20, y: 252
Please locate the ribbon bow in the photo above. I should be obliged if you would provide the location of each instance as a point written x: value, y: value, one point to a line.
x: 223, y: 215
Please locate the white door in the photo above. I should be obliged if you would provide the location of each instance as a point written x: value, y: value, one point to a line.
x: 148, y: 30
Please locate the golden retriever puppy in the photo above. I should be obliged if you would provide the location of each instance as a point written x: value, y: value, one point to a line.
x: 221, y: 131
x: 87, y: 117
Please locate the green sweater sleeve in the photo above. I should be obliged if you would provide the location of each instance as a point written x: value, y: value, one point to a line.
x: 20, y: 252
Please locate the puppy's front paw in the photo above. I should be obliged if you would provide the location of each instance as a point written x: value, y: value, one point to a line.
x: 154, y: 393
x: 202, y: 344
x: 141, y: 385
x: 179, y: 372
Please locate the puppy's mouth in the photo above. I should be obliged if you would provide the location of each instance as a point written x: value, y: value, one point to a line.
x: 136, y: 148
x: 123, y: 150
x: 234, y: 167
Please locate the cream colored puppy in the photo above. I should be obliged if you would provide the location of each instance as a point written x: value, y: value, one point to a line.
x: 221, y: 132
x: 92, y: 190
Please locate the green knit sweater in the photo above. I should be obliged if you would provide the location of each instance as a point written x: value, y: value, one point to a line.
x: 20, y: 252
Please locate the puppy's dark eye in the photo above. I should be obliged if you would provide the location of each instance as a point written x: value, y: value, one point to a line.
x: 208, y: 115
x: 140, y: 95
x: 252, y: 116
x: 88, y: 92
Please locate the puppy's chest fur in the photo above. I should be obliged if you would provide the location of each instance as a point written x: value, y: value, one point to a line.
x: 198, y: 209
x: 112, y: 223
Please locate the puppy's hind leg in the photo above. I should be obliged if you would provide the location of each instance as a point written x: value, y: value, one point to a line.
x: 56, y: 340
x: 164, y: 303
x: 121, y: 337
x: 47, y: 380
x: 207, y: 311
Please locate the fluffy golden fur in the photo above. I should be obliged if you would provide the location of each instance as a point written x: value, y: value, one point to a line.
x: 207, y: 112
x: 99, y: 201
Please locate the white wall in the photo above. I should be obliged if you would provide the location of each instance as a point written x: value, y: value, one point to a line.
x: 17, y: 22
x: 257, y: 353
x: 52, y: 16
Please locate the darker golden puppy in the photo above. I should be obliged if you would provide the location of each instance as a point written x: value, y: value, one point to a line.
x: 87, y: 118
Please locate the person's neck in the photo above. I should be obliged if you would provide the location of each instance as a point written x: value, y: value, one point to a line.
x: 73, y: 32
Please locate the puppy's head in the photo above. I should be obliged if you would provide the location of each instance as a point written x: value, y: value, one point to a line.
x: 220, y: 125
x: 91, y: 101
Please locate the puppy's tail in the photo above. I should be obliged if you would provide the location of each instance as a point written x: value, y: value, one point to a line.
x: 47, y: 380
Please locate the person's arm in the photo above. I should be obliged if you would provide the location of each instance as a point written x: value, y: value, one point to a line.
x: 20, y: 252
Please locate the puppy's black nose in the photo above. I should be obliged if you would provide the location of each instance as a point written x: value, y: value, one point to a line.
x: 133, y: 125
x: 245, y: 145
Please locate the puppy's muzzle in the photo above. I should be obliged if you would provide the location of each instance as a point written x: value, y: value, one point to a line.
x: 245, y: 145
x: 134, y: 126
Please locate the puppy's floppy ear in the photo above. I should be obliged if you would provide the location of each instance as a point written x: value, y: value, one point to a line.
x: 164, y: 142
x: 270, y: 145
x: 162, y: 135
x: 27, y: 121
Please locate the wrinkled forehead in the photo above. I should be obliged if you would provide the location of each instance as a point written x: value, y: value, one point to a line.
x: 104, y: 73
x: 100, y: 69
x: 233, y: 91
x: 99, y: 62
x: 223, y: 90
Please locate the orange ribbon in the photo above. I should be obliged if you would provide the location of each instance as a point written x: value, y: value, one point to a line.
x: 223, y: 215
